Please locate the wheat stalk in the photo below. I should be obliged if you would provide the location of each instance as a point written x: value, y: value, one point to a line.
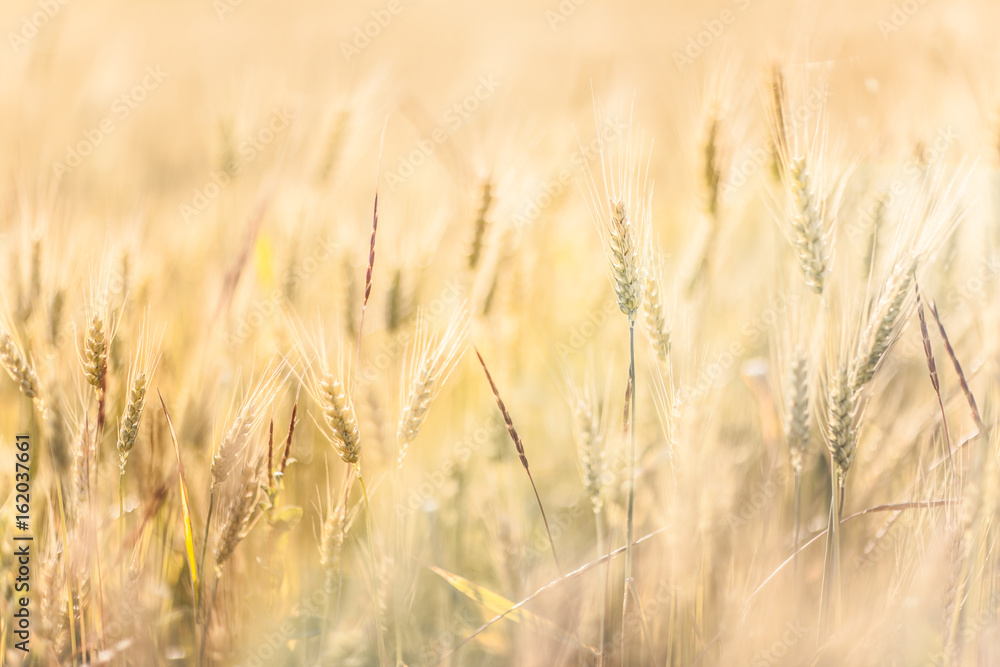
x: 430, y: 365
x: 140, y: 373
x: 797, y: 423
x: 841, y: 441
x: 626, y: 241
x: 232, y: 447
x: 588, y: 431
x: 344, y: 434
x: 235, y: 527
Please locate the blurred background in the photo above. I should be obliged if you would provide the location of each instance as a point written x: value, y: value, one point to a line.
x: 206, y: 170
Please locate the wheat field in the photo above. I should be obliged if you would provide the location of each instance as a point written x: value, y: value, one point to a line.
x: 419, y: 332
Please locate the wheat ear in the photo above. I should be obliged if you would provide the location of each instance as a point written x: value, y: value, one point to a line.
x: 969, y: 397
x: 338, y: 411
x: 932, y: 371
x: 96, y: 363
x: 807, y: 226
x: 431, y: 363
x: 884, y: 324
x: 479, y: 228
x: 626, y: 268
x: 841, y: 441
x: 654, y: 311
x: 519, y: 446
x: 17, y: 366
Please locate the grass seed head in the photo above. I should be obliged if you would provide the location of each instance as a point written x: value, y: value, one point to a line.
x: 341, y: 419
x: 841, y: 429
x: 129, y: 429
x: 808, y: 226
x: 798, y: 418
x: 655, y: 313
x: 17, y: 366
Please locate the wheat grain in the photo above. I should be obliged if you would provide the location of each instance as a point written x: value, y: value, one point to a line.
x: 654, y: 311
x: 712, y: 167
x: 625, y: 260
x: 798, y: 415
x: 96, y: 353
x: 338, y: 410
x: 129, y: 430
x: 57, y: 305
x: 399, y: 308
x: 432, y: 361
x: 248, y: 417
x: 479, y: 227
x: 236, y: 520
x: 519, y: 446
x: 17, y: 366
x: 589, y: 436
x: 963, y: 383
x: 841, y: 430
x: 883, y: 324
x: 331, y: 542
x: 807, y: 226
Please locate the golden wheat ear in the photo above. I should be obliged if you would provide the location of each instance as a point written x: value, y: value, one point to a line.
x: 432, y: 360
